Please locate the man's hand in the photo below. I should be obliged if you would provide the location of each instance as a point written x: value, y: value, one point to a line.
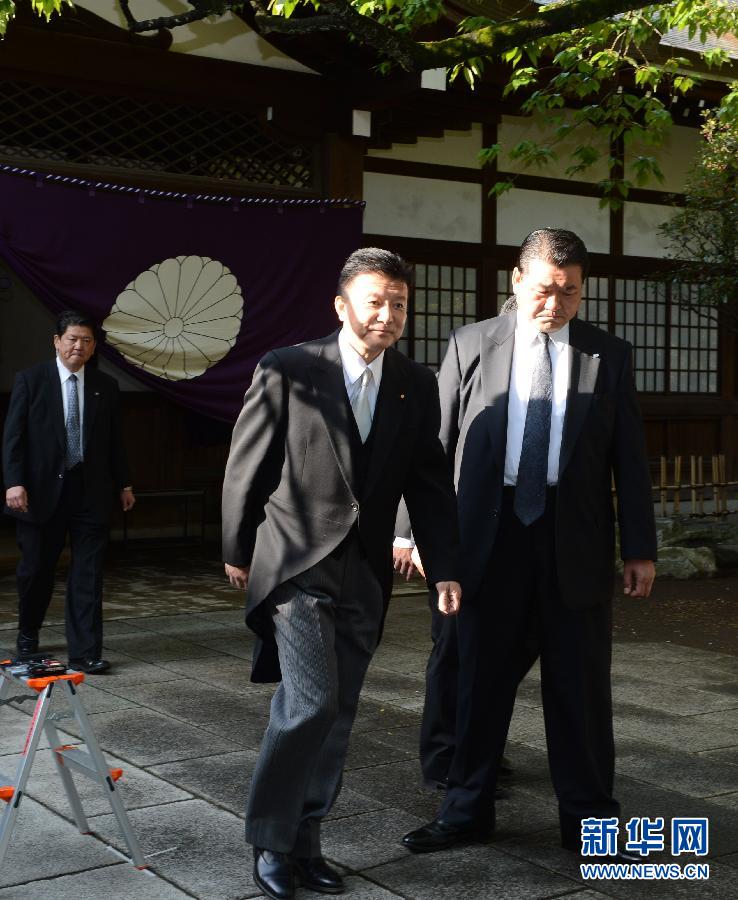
x: 449, y: 597
x: 638, y: 576
x: 127, y: 499
x: 402, y: 560
x: 17, y: 498
x: 417, y: 561
x: 238, y: 577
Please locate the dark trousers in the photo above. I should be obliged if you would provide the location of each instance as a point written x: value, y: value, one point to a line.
x: 40, y: 546
x: 326, y: 623
x: 437, y: 727
x: 518, y: 606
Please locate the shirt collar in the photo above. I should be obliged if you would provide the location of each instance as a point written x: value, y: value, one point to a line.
x: 354, y: 365
x: 64, y: 372
x: 527, y: 333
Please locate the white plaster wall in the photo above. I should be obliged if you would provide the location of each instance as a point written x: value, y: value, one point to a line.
x: 422, y: 208
x: 26, y: 335
x: 514, y: 129
x: 455, y: 148
x: 220, y: 37
x: 675, y: 158
x: 519, y: 212
x: 641, y: 222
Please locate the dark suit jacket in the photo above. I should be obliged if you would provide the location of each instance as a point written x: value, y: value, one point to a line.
x: 290, y: 497
x: 603, y: 434
x: 34, y: 441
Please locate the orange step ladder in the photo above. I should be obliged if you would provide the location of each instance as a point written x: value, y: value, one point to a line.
x: 88, y: 761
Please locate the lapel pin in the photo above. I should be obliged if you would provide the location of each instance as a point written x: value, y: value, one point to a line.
x: 402, y: 396
x: 595, y: 356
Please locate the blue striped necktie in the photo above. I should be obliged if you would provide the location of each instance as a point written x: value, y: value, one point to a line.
x: 74, y: 435
x: 530, y: 491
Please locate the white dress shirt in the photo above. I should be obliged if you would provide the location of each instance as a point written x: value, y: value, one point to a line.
x: 353, y: 368
x: 64, y: 374
x: 521, y: 375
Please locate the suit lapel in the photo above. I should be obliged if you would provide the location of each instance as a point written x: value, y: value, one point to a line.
x: 495, y: 363
x: 583, y: 368
x: 387, y: 416
x: 57, y: 405
x: 330, y: 391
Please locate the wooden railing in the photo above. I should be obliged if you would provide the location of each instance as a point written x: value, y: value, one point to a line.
x: 693, y: 485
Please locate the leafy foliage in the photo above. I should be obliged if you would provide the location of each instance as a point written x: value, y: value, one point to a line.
x: 596, y: 73
x: 702, y: 238
x: 44, y: 8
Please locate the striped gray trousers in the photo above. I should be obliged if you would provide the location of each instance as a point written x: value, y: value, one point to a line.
x: 326, y: 623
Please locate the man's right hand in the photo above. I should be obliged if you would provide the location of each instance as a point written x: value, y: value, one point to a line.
x: 17, y: 498
x: 238, y: 576
x: 403, y: 562
x: 449, y: 597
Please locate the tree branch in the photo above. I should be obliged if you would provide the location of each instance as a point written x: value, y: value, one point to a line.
x: 201, y: 10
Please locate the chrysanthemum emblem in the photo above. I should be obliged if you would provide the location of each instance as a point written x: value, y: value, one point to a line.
x: 178, y: 318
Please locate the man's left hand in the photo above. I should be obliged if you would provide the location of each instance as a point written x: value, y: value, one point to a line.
x: 127, y: 499
x: 449, y: 597
x: 638, y: 576
x: 403, y: 562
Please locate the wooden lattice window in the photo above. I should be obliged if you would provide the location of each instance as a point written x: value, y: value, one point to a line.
x: 675, y: 350
x: 445, y: 298
x: 46, y: 124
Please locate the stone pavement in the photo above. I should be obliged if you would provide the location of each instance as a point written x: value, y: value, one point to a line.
x: 178, y: 714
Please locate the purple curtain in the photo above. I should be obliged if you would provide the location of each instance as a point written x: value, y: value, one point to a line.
x: 195, y: 290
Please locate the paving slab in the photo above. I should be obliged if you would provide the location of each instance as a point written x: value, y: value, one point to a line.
x: 728, y: 755
x: 194, y: 845
x: 695, y: 776
x: 690, y: 733
x: 152, y: 647
x: 149, y: 737
x: 397, y: 785
x: 365, y: 751
x: 122, y: 881
x: 223, y: 778
x: 362, y: 841
x: 669, y: 698
x: 477, y: 872
x: 44, y: 845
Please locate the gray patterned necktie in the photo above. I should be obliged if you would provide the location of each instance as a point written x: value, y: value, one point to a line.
x: 361, y: 406
x: 74, y: 436
x: 530, y: 491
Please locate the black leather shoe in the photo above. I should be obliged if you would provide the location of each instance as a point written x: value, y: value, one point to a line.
x: 26, y: 645
x: 91, y: 666
x: 439, y: 835
x: 315, y: 873
x: 274, y: 874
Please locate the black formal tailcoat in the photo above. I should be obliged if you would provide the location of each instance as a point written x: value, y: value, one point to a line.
x: 603, y: 435
x: 291, y: 494
x: 34, y: 442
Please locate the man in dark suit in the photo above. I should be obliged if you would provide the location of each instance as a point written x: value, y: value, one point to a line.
x: 332, y: 433
x: 538, y: 410
x: 63, y: 459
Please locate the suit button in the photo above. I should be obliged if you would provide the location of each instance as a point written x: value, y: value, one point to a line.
x: 494, y: 513
x: 355, y: 507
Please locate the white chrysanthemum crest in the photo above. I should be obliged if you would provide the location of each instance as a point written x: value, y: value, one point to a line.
x: 177, y: 318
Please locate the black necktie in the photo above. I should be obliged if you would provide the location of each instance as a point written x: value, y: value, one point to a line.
x: 530, y: 491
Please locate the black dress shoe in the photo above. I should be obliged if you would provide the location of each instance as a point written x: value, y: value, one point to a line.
x: 26, y: 645
x: 439, y: 835
x: 91, y: 666
x: 315, y: 873
x: 274, y: 874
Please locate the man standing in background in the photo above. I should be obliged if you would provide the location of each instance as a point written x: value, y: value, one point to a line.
x: 63, y: 460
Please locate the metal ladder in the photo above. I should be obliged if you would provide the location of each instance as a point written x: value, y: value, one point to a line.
x: 88, y: 761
